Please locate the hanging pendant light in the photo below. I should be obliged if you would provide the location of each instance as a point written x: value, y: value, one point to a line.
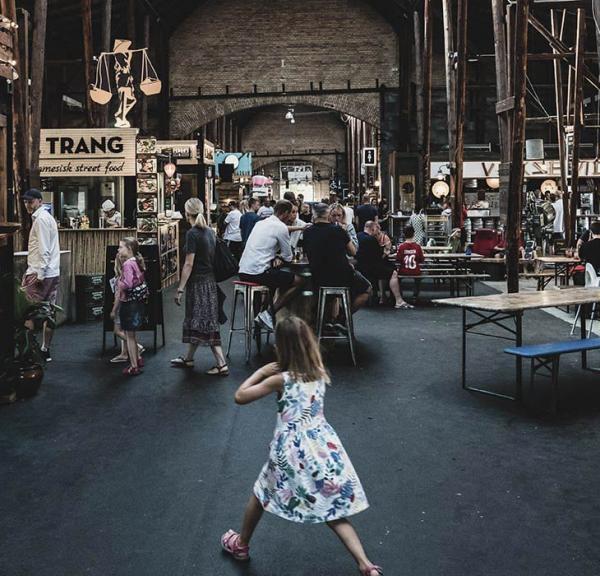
x: 170, y: 168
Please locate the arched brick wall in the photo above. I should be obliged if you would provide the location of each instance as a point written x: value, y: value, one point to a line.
x: 243, y: 43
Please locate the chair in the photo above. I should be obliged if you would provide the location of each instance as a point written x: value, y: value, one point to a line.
x: 247, y: 290
x: 591, y: 281
x: 344, y: 294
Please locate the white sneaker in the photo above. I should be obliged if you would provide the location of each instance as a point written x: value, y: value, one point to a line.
x: 265, y: 319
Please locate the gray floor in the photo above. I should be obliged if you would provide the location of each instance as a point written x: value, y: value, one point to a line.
x: 106, y: 476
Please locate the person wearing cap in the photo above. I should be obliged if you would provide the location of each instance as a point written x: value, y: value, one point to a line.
x: 42, y: 276
x: 112, y: 218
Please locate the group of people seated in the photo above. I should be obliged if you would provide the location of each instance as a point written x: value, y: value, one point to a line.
x: 337, y: 255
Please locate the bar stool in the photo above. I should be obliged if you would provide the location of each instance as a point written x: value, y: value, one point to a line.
x: 248, y: 290
x: 344, y: 294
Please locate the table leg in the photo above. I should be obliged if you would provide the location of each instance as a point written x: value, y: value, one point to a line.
x: 519, y: 360
x: 583, y: 324
x: 464, y: 348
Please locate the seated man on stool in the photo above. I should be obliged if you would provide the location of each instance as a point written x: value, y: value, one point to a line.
x: 372, y: 262
x: 267, y: 248
x: 590, y: 251
x: 327, y: 247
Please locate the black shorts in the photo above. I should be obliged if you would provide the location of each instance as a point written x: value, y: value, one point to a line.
x: 360, y: 285
x: 273, y: 278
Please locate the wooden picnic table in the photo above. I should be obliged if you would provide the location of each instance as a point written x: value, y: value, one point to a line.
x: 432, y: 249
x: 506, y: 311
x: 562, y: 265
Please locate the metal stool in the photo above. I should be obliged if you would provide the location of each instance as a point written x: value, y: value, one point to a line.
x: 247, y: 290
x: 344, y: 294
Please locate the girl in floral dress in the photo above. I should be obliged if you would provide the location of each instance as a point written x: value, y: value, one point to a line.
x: 308, y: 477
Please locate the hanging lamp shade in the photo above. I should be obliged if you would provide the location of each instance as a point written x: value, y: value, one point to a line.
x: 170, y: 169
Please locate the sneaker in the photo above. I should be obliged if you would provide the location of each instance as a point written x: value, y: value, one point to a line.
x: 46, y: 355
x: 265, y: 319
x: 230, y: 543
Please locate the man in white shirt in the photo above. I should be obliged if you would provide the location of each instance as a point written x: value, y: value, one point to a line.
x: 112, y: 217
x: 558, y: 224
x: 267, y: 248
x: 233, y: 233
x: 42, y: 276
x: 349, y: 212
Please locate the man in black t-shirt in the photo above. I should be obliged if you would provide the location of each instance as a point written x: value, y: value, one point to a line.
x: 366, y: 212
x: 590, y: 250
x: 327, y: 247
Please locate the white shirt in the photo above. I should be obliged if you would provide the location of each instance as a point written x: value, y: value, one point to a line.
x: 113, y: 221
x: 44, y: 251
x: 558, y: 225
x: 349, y: 215
x: 268, y: 237
x: 295, y: 236
x: 233, y: 232
x: 265, y: 212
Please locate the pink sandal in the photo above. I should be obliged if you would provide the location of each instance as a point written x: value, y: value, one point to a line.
x: 230, y: 543
x: 369, y: 569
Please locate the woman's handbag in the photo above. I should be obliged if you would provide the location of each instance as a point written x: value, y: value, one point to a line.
x: 225, y: 264
x: 139, y: 293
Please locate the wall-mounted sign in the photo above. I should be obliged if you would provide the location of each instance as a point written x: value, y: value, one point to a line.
x: 244, y: 162
x: 369, y: 156
x: 88, y: 152
x: 208, y: 156
x: 532, y: 169
x: 184, y: 151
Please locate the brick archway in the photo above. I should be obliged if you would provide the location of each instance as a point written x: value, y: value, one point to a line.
x: 189, y: 115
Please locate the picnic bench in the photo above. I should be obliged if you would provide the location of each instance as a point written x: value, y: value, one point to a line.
x: 455, y: 280
x: 543, y: 277
x: 547, y: 357
x: 504, y: 312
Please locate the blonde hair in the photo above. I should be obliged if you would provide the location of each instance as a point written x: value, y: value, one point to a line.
x: 244, y: 207
x: 118, y: 266
x: 132, y: 244
x: 298, y: 351
x: 194, y: 207
x: 338, y: 206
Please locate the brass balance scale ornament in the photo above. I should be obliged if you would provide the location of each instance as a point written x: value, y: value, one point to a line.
x: 123, y: 82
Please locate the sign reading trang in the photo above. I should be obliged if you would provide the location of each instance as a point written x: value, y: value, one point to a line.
x: 88, y: 152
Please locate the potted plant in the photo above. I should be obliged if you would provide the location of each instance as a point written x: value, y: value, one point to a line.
x: 23, y: 374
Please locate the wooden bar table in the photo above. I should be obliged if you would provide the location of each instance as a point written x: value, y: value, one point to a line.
x: 506, y: 311
x: 436, y: 249
x: 561, y: 264
x: 458, y: 260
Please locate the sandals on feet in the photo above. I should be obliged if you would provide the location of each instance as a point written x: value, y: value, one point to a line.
x: 118, y: 359
x: 131, y: 371
x: 181, y: 362
x: 218, y: 371
x: 230, y: 542
x: 404, y: 306
x: 368, y: 571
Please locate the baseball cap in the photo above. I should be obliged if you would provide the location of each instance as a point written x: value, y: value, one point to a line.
x: 32, y: 194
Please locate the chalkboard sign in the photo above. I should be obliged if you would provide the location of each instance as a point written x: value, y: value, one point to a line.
x: 154, y: 307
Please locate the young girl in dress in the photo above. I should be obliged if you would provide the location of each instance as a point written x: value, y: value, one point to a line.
x: 123, y: 356
x: 308, y: 477
x: 130, y: 311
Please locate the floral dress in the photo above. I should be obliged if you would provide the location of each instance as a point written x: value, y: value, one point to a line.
x: 308, y: 478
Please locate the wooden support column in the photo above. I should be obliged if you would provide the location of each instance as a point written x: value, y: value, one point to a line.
x: 450, y: 50
x: 560, y: 114
x: 164, y: 76
x: 427, y: 73
x: 418, y: 52
x: 577, y: 125
x: 88, y: 58
x: 515, y: 192
x: 106, y: 47
x: 461, y: 105
x: 38, y: 50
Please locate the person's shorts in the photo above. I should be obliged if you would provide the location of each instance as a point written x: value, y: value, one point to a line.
x: 44, y: 290
x: 131, y: 315
x: 273, y: 278
x: 360, y: 285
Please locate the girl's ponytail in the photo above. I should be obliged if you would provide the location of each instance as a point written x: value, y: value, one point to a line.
x: 195, y: 209
x: 133, y: 245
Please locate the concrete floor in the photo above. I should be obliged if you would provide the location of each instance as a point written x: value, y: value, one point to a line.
x: 112, y: 477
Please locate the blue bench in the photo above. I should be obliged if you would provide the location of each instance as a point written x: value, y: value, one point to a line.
x: 547, y: 356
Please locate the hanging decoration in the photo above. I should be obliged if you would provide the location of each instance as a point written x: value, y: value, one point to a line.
x: 118, y: 72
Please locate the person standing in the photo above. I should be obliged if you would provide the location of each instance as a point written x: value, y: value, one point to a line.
x: 318, y: 484
x: 233, y: 234
x: 558, y: 224
x: 112, y: 217
x: 366, y: 212
x: 349, y: 211
x: 248, y: 220
x: 266, y: 210
x: 201, y: 324
x: 42, y: 276
x: 417, y: 223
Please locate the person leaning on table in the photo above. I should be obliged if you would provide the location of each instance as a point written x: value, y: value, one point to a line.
x: 590, y: 251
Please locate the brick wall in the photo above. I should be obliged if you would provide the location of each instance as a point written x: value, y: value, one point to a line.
x: 245, y: 42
